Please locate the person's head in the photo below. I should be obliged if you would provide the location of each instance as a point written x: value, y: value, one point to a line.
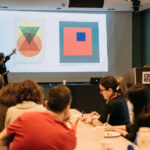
x: 122, y: 84
x: 59, y: 99
x: 139, y: 97
x: 8, y: 94
x: 1, y: 81
x: 2, y: 58
x: 108, y: 87
x: 30, y: 91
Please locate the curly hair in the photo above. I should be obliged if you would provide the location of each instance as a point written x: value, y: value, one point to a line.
x: 8, y: 94
x: 29, y: 91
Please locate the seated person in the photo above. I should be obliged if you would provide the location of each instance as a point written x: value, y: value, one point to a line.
x: 144, y: 120
x: 139, y: 97
x: 115, y: 111
x: 43, y: 130
x: 123, y: 87
x: 29, y: 99
x: 8, y: 98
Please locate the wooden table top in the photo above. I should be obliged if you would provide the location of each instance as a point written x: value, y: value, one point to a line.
x: 87, y: 138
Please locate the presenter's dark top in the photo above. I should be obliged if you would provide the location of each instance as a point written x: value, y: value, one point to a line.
x: 118, y: 110
x: 3, y: 69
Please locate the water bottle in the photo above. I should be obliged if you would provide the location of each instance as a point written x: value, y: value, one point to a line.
x: 130, y: 147
x: 143, y: 138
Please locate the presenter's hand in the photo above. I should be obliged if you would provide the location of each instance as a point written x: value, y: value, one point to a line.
x: 14, y: 51
x: 5, y: 73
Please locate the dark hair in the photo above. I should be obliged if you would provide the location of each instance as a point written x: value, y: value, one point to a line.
x: 144, y: 120
x: 139, y: 96
x: 1, y: 81
x: 1, y: 56
x: 110, y: 82
x: 29, y: 91
x: 59, y: 97
x: 8, y: 94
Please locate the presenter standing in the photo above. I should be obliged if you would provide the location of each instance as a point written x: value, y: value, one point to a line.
x: 3, y: 69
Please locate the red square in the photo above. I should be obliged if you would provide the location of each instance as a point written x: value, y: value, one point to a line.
x: 74, y: 47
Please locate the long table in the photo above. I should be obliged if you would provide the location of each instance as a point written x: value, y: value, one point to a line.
x: 87, y: 140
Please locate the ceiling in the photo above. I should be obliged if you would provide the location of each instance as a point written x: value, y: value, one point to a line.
x: 61, y: 5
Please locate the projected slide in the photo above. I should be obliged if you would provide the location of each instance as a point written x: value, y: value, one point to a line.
x: 54, y: 42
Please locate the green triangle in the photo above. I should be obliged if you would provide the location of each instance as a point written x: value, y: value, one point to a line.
x: 29, y: 32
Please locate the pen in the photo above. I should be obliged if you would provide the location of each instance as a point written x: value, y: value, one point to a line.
x: 82, y: 114
x: 108, y: 118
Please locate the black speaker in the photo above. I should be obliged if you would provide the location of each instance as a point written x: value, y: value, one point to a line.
x: 86, y: 3
x: 95, y: 80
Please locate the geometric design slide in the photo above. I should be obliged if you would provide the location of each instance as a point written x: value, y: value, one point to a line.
x: 79, y: 42
x: 29, y: 43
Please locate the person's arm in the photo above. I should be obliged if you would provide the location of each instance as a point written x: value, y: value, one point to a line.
x: 106, y: 110
x: 122, y: 132
x: 13, y: 52
x: 110, y: 127
x: 74, y: 125
x: 98, y: 120
x: 5, y: 73
x: 95, y: 122
x: 4, y: 140
x: 121, y: 127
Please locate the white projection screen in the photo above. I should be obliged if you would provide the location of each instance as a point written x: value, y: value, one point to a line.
x: 53, y: 46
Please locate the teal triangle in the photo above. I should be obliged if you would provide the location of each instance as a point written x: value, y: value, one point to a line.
x: 29, y: 32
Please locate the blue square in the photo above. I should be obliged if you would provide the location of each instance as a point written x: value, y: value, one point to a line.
x: 80, y: 36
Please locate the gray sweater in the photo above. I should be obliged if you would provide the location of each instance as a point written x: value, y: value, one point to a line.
x: 26, y: 106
